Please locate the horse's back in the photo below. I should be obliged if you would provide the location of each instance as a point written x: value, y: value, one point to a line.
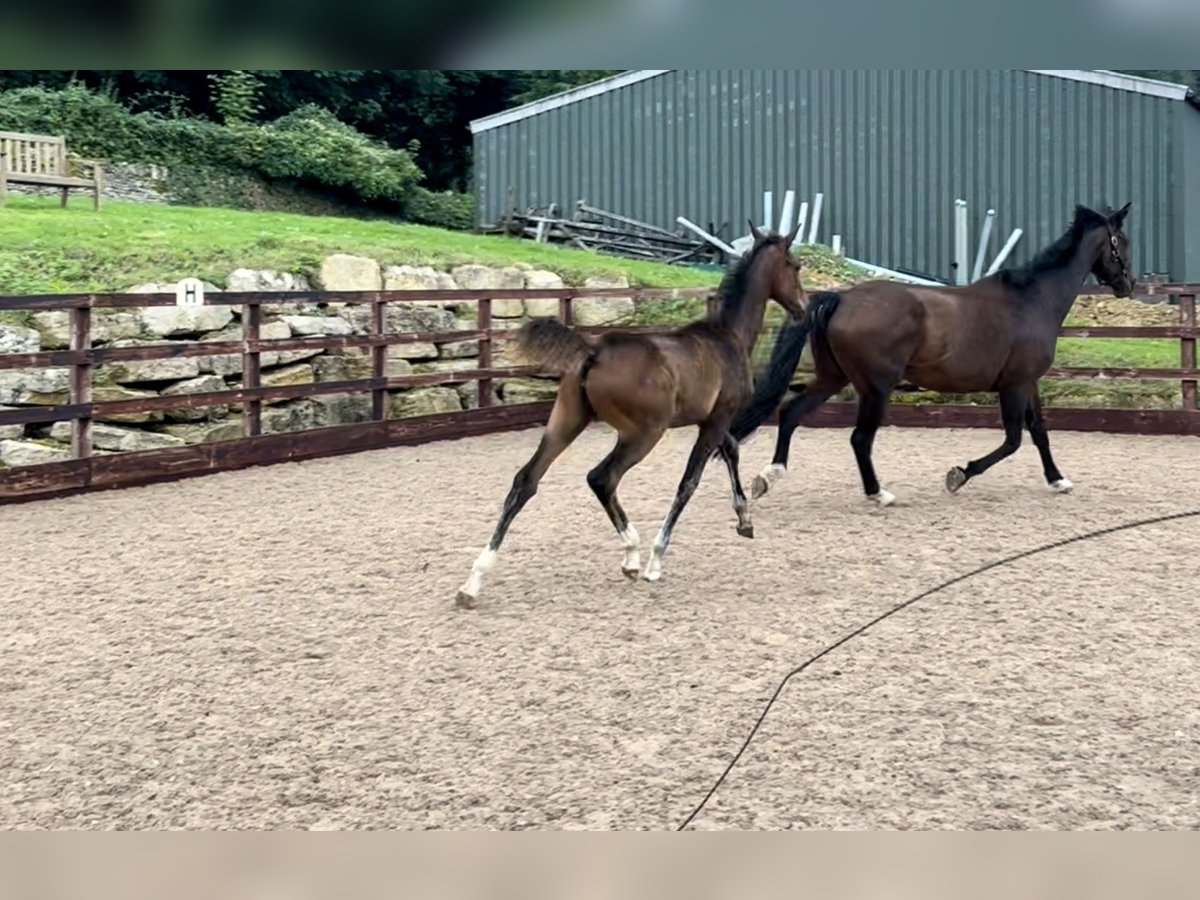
x: 877, y: 311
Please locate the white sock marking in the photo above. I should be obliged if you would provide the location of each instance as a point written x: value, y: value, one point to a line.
x: 1062, y: 486
x: 653, y: 570
x: 773, y: 473
x: 633, y: 553
x: 483, y: 565
x: 883, y: 498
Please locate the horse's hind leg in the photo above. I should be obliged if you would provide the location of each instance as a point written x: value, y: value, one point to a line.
x: 603, y: 480
x: 871, y: 408
x: 1037, y: 430
x: 1013, y: 402
x: 709, y: 439
x: 568, y: 419
x: 793, y: 411
x: 729, y: 453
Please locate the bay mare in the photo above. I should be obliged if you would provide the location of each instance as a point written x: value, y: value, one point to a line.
x: 642, y: 385
x: 997, y: 334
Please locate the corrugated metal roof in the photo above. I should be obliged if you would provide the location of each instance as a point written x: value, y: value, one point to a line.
x: 1103, y: 77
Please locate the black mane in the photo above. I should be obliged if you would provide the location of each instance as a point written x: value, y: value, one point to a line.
x: 733, y: 285
x: 1055, y: 256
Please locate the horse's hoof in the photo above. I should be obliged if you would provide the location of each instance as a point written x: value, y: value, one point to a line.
x: 631, y: 574
x: 1062, y: 486
x: 759, y: 487
x: 464, y: 600
x: 955, y: 479
x: 883, y: 498
x: 746, y: 531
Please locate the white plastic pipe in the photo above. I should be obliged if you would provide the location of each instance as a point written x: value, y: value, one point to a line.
x: 837, y: 245
x: 1004, y: 251
x: 892, y: 273
x: 984, y: 237
x: 800, y: 220
x: 816, y: 218
x: 715, y: 241
x: 768, y: 205
x: 960, y: 241
x: 785, y: 216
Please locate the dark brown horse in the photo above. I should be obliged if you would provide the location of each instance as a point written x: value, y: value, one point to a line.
x: 642, y: 385
x: 997, y: 334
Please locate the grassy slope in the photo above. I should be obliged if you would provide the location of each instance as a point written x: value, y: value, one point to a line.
x: 45, y: 249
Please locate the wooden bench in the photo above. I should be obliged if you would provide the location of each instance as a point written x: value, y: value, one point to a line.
x: 40, y: 159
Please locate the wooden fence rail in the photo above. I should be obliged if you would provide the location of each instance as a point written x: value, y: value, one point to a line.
x: 84, y: 470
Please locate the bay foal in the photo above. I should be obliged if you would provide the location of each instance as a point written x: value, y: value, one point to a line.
x: 642, y: 385
x: 997, y: 334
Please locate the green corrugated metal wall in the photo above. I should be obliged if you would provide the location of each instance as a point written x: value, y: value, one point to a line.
x: 890, y: 150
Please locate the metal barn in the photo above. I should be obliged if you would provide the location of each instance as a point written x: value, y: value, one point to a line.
x: 891, y: 152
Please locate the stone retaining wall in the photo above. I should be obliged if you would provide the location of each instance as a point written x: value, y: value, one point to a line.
x: 26, y: 445
x: 134, y: 183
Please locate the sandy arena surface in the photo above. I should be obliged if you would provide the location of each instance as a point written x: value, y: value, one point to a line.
x: 278, y: 648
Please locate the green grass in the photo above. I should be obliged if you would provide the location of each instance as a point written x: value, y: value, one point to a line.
x: 1131, y: 353
x: 48, y: 250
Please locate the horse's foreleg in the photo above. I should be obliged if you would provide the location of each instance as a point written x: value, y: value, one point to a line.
x: 1013, y: 402
x: 567, y: 421
x: 603, y: 481
x: 708, y: 440
x: 729, y: 453
x: 1037, y: 430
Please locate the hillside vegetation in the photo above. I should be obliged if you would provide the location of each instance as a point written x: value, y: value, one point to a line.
x: 45, y: 249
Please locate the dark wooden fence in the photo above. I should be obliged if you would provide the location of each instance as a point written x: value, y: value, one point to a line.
x: 86, y: 471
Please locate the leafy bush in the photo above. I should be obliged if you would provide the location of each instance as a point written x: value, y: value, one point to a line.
x: 310, y: 145
x: 94, y: 124
x: 442, y: 209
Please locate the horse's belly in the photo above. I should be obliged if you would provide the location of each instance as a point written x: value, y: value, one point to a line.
x: 946, y: 381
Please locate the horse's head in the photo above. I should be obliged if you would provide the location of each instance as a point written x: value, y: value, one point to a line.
x: 1113, y: 261
x: 784, y: 272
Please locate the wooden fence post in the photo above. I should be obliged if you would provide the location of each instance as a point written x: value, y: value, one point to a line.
x: 379, y: 352
x: 566, y: 310
x: 81, y: 379
x: 1187, y: 346
x: 713, y: 302
x: 483, y: 322
x: 251, y: 368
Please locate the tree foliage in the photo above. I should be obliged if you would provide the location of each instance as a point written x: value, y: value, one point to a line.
x: 395, y: 106
x: 309, y: 145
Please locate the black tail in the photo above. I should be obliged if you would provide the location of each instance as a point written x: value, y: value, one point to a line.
x: 552, y: 345
x: 784, y: 358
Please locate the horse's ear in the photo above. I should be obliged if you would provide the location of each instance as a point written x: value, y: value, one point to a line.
x: 790, y: 238
x: 1117, y: 219
x: 754, y: 230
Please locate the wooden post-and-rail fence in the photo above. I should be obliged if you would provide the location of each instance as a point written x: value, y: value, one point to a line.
x: 88, y: 471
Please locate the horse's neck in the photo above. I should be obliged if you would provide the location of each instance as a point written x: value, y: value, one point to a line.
x: 746, y: 320
x: 1061, y: 285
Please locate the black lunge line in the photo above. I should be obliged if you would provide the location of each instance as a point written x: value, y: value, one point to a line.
x: 907, y: 603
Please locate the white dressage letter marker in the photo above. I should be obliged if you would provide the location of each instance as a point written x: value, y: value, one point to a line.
x: 189, y: 292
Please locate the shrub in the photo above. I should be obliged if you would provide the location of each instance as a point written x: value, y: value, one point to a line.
x: 310, y: 145
x: 443, y: 209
